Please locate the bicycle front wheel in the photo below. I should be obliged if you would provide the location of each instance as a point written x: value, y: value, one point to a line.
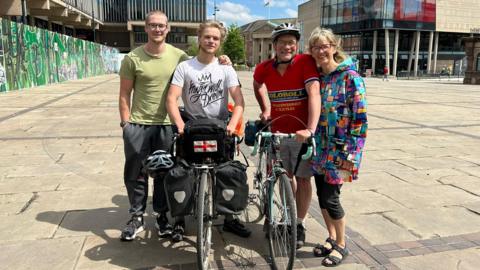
x: 282, y: 229
x: 204, y: 220
x: 262, y: 176
x: 255, y: 210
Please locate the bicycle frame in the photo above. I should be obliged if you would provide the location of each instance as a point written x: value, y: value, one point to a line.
x: 271, y: 148
x: 204, y: 211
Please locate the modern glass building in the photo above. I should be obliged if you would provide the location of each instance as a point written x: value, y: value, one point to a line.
x: 407, y: 36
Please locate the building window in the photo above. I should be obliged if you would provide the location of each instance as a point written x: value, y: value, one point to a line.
x: 478, y: 62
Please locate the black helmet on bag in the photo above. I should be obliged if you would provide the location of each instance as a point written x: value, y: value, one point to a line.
x: 285, y: 29
x: 158, y: 160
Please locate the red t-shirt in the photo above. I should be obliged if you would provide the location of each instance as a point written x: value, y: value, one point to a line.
x: 287, y: 93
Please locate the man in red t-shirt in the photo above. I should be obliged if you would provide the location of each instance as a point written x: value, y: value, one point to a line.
x: 292, y: 87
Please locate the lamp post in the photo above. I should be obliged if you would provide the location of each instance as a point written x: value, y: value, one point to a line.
x: 24, y: 12
x: 215, y: 9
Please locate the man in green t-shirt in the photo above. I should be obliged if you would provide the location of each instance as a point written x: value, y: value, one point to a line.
x: 145, y: 73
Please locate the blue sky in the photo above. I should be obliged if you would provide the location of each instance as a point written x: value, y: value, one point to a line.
x: 245, y: 11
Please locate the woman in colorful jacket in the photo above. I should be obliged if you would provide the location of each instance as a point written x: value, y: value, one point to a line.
x: 340, y: 136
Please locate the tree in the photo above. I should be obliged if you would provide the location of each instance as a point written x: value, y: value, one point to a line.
x: 234, y: 46
x: 192, y: 49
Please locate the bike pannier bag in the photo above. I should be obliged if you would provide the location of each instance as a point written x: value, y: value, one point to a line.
x: 180, y: 189
x: 205, y: 138
x: 251, y: 129
x: 231, y: 188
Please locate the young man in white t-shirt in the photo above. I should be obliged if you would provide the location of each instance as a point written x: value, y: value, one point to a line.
x: 204, y: 86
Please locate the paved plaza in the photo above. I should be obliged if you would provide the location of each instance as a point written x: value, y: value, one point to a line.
x: 63, y: 202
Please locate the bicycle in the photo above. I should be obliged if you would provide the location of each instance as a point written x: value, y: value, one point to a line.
x: 275, y: 195
x: 205, y: 211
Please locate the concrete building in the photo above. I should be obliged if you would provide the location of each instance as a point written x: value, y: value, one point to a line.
x: 71, y: 17
x: 472, y: 49
x: 127, y: 19
x: 116, y: 23
x: 408, y: 36
x: 308, y: 18
x: 257, y: 38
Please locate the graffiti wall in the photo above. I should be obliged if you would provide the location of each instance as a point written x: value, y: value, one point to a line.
x: 31, y: 56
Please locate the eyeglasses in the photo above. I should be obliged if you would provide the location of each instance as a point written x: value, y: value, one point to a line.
x: 154, y: 26
x: 322, y: 47
x: 284, y: 43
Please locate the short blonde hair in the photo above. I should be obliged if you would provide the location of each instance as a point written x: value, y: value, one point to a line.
x: 326, y: 34
x: 214, y: 24
x: 155, y: 12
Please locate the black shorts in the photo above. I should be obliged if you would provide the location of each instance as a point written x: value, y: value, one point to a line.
x: 329, y: 197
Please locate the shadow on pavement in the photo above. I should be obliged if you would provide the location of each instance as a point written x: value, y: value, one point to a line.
x: 102, y: 247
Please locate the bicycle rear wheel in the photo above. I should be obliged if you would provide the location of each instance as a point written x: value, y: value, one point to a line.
x: 282, y: 229
x: 204, y: 220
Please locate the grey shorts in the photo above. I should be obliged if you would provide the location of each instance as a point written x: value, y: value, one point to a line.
x: 290, y: 152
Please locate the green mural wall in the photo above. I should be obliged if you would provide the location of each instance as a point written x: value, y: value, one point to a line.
x: 31, y: 56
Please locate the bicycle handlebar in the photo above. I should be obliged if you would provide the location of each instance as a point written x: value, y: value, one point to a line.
x: 266, y: 134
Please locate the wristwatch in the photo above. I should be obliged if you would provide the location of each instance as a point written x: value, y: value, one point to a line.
x: 123, y: 123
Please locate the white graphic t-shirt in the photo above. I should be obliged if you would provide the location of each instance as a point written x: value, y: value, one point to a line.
x: 205, y: 88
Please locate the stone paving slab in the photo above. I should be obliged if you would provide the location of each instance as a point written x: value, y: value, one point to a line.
x: 428, y: 177
x: 435, y: 162
x: 75, y: 199
x: 388, y: 154
x: 464, y: 259
x: 415, y: 197
x: 474, y: 207
x: 90, y: 181
x: 365, y: 202
x: 28, y: 226
x: 11, y: 185
x: 378, y: 229
x: 474, y: 170
x: 41, y: 254
x: 433, y: 222
x: 102, y: 222
x: 376, y: 180
x: 13, y: 203
x: 369, y: 165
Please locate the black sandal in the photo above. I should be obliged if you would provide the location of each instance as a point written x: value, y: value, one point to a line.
x: 322, y: 251
x: 334, y: 260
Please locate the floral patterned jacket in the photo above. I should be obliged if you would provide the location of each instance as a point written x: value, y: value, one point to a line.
x: 342, y: 129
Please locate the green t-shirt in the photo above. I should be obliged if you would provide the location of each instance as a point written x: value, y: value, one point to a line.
x: 151, y: 76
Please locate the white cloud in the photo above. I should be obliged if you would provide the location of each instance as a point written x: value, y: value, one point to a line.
x: 292, y: 13
x: 235, y: 13
x: 298, y: 2
x: 279, y: 3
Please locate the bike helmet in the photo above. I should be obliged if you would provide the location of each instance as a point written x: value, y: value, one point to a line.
x: 158, y: 160
x: 285, y: 29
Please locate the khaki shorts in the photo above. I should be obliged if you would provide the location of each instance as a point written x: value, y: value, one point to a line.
x: 292, y: 158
